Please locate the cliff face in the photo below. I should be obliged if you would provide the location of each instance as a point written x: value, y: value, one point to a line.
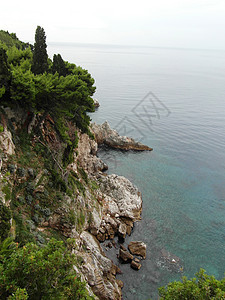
x: 77, y: 201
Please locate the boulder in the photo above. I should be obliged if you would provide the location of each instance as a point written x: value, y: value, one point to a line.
x: 135, y: 265
x: 138, y: 248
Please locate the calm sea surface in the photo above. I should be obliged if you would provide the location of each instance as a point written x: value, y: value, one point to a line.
x: 174, y: 101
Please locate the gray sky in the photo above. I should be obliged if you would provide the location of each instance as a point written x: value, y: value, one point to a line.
x: 169, y: 23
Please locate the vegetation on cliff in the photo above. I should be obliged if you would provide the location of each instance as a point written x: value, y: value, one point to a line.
x: 29, y: 79
x: 48, y: 102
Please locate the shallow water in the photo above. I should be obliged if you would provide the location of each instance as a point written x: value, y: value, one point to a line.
x: 172, y: 100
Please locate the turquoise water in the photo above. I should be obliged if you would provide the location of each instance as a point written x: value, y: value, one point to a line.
x: 183, y: 180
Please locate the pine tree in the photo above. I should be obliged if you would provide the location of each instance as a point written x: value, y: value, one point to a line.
x: 40, y: 56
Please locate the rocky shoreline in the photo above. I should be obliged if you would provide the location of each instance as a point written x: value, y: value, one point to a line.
x: 121, y: 207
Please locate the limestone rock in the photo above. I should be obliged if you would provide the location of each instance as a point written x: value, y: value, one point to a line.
x: 138, y: 248
x: 87, y: 150
x: 123, y: 197
x: 98, y: 269
x: 6, y: 142
x: 105, y: 135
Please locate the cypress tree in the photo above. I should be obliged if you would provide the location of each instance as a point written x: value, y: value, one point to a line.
x: 59, y: 65
x: 5, y: 74
x: 40, y: 56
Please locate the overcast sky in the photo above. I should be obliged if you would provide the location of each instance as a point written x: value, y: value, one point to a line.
x: 163, y: 23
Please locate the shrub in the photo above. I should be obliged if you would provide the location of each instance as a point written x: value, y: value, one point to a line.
x: 42, y: 273
x: 5, y: 216
x: 203, y: 287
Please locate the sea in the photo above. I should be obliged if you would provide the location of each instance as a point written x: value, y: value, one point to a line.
x: 172, y: 100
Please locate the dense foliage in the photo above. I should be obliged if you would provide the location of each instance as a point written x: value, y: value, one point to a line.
x: 39, y: 273
x: 5, y: 216
x: 203, y: 287
x: 29, y: 79
x: 5, y: 75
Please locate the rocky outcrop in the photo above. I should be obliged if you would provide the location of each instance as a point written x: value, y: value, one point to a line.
x: 122, y: 198
x: 121, y: 207
x: 105, y: 135
x: 87, y: 150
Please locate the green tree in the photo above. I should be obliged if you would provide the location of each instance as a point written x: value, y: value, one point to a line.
x: 40, y: 56
x: 59, y: 65
x: 203, y: 287
x: 5, y: 74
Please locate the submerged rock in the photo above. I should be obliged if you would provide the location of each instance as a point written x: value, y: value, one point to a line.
x: 105, y: 135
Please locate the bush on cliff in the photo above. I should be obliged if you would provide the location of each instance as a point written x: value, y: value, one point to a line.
x: 40, y: 273
x: 203, y: 287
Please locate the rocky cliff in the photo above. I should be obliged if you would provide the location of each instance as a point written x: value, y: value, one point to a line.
x: 77, y: 201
